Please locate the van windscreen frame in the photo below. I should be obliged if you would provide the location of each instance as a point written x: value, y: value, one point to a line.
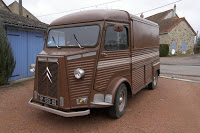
x: 75, y: 36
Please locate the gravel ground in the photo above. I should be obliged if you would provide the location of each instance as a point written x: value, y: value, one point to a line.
x: 190, y: 60
x: 172, y: 107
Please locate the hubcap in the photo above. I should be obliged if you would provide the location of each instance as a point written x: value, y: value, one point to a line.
x: 122, y: 100
x: 155, y: 80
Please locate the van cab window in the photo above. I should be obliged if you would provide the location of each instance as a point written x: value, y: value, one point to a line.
x: 116, y: 40
x: 86, y: 36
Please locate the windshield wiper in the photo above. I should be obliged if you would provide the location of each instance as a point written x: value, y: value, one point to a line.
x: 55, y: 42
x: 78, y: 42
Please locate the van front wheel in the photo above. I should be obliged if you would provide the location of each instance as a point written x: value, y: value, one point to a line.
x: 118, y: 109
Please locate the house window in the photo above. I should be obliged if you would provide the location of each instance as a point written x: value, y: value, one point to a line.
x: 184, y: 47
x: 116, y: 40
x: 173, y: 48
x: 27, y: 16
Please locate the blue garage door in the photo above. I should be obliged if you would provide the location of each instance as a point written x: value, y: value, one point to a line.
x: 25, y: 45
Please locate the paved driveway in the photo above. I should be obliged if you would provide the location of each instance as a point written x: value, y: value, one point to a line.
x: 181, y: 67
x: 174, y: 106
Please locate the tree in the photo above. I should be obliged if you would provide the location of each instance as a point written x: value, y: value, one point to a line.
x: 198, y: 42
x: 197, y: 46
x: 7, y: 61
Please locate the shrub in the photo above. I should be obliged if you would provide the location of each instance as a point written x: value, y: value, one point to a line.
x: 164, y: 50
x: 197, y: 46
x: 7, y: 62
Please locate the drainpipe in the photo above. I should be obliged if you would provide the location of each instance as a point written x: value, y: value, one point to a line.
x: 20, y: 8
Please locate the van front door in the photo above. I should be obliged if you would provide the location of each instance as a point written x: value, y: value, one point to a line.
x: 114, y: 57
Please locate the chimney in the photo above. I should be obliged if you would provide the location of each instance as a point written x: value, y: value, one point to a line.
x: 142, y: 16
x: 20, y: 8
x: 174, y: 11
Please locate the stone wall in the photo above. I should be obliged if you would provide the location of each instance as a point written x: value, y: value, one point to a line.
x: 164, y: 39
x: 2, y: 6
x: 181, y: 33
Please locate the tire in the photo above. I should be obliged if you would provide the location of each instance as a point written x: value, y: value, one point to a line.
x: 154, y: 83
x: 120, y: 103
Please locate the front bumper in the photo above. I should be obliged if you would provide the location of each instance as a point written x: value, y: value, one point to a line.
x: 58, y: 112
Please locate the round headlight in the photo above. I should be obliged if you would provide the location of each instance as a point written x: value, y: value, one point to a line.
x: 32, y: 67
x: 78, y: 73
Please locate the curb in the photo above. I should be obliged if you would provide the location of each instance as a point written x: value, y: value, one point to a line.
x: 181, y: 64
x: 180, y: 74
x: 186, y: 80
x: 21, y: 80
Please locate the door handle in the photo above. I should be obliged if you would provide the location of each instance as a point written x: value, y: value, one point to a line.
x: 104, y: 54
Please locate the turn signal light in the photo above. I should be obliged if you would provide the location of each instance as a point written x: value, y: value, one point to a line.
x: 81, y: 101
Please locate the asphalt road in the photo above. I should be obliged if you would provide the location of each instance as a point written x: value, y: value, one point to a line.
x: 181, y: 67
x: 181, y: 71
x: 173, y: 107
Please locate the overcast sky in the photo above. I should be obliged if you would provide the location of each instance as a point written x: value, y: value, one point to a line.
x: 186, y: 8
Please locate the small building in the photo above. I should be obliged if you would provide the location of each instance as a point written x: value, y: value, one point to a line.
x: 3, y: 6
x: 26, y: 38
x: 14, y: 8
x: 175, y: 31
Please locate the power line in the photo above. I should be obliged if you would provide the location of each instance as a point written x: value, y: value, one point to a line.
x: 159, y: 7
x: 79, y: 8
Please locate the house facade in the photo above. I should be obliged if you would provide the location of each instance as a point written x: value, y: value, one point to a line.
x: 175, y: 31
x: 25, y: 36
x: 14, y: 8
x: 3, y: 6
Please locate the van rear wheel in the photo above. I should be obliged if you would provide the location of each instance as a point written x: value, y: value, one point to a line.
x: 154, y: 83
x: 118, y: 109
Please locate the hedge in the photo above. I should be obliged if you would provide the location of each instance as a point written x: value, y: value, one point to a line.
x: 164, y: 50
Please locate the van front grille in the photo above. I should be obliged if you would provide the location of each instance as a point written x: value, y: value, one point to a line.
x: 48, y: 79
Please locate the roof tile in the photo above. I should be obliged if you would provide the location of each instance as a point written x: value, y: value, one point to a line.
x: 167, y: 25
x: 11, y: 18
x: 159, y: 16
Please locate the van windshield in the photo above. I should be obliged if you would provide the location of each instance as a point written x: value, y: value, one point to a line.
x: 86, y: 36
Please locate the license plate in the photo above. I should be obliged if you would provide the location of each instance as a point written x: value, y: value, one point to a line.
x: 48, y: 100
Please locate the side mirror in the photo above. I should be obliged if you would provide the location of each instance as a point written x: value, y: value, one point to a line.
x: 118, y: 27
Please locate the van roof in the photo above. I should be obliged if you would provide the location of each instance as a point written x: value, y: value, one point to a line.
x: 97, y: 15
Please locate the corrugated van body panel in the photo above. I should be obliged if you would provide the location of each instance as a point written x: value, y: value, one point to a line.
x: 80, y: 88
x: 142, y: 63
x: 110, y: 66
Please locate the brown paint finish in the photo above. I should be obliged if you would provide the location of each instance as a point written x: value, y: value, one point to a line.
x: 113, y: 86
x: 104, y: 69
x: 91, y: 16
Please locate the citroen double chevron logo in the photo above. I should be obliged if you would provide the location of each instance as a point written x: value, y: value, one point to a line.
x: 48, y: 74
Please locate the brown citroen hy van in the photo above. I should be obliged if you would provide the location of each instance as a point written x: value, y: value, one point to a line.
x: 95, y: 59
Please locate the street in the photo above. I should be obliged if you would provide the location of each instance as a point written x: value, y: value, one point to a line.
x: 172, y: 107
x: 180, y: 71
x: 181, y: 67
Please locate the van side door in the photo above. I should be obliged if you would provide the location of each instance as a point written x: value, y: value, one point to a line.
x: 114, y: 57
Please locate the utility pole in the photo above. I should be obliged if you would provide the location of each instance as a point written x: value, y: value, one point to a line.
x: 195, y: 46
x: 20, y: 8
